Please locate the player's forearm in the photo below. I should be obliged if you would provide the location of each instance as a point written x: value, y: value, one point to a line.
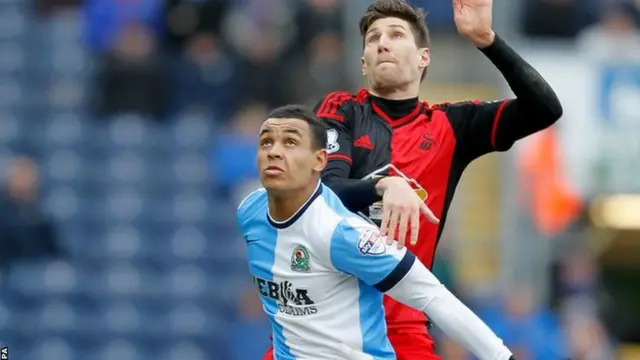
x: 421, y: 290
x: 536, y: 100
x: 355, y: 194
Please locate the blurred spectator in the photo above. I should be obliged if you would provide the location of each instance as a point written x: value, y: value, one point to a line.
x: 557, y: 18
x: 316, y: 17
x: 233, y: 156
x: 587, y: 338
x: 251, y: 323
x: 320, y: 44
x: 132, y: 76
x: 266, y: 47
x: 106, y: 20
x: 531, y: 332
x: 324, y: 57
x: 185, y: 19
x: 578, y: 277
x: 203, y: 77
x: 579, y: 294
x: 44, y: 7
x: 25, y: 231
x: 615, y: 38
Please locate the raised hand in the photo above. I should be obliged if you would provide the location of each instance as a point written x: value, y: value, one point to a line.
x: 473, y: 20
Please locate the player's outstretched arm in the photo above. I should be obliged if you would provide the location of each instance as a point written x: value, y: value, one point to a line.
x: 484, y: 127
x: 489, y: 126
x: 420, y: 289
x: 360, y: 250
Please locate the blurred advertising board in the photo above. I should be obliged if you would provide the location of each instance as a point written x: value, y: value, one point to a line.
x: 599, y: 134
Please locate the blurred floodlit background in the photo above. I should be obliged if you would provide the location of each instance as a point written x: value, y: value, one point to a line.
x: 127, y: 133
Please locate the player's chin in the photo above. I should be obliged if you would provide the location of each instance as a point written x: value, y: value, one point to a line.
x: 273, y: 183
x: 385, y: 79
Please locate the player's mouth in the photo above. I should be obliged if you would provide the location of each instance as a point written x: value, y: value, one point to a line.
x: 386, y: 61
x: 273, y: 171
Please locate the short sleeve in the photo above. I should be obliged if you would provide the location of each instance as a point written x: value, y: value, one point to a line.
x: 361, y: 251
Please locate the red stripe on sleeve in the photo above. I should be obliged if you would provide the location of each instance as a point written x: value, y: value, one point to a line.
x: 496, y: 120
x: 331, y: 104
x: 340, y: 157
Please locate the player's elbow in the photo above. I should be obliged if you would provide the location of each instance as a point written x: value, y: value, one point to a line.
x: 554, y: 108
x: 542, y: 112
x: 551, y: 106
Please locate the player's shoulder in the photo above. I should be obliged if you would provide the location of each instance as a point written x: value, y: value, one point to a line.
x: 343, y: 97
x: 251, y: 205
x: 335, y: 214
x: 335, y: 105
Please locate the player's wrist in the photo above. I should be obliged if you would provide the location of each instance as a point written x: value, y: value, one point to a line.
x: 383, y: 183
x: 483, y: 39
x: 380, y: 185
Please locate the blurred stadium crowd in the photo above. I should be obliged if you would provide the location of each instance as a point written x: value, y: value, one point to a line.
x: 127, y: 132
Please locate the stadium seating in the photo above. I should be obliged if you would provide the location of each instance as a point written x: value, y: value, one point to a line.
x: 154, y: 261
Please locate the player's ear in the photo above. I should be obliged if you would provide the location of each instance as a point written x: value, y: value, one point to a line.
x: 424, y: 57
x: 364, y: 66
x: 321, y: 160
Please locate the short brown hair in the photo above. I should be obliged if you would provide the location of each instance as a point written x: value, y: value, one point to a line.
x: 416, y: 17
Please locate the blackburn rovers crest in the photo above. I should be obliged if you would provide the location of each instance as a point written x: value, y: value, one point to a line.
x: 300, y: 259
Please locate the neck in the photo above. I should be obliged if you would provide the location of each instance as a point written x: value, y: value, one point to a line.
x: 408, y: 91
x: 283, y: 205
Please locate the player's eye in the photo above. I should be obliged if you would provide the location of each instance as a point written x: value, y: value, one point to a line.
x: 398, y: 34
x: 266, y: 142
x: 291, y: 142
x: 373, y: 38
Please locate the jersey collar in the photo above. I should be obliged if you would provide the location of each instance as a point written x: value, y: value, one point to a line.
x: 286, y: 223
x: 396, y: 112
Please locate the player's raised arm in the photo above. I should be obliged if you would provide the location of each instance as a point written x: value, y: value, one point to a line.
x: 483, y: 127
x: 362, y: 252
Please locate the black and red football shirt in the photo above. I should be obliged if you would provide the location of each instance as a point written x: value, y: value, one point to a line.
x: 431, y: 144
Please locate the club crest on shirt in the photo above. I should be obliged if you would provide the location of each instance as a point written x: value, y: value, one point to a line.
x: 371, y: 243
x: 332, y: 141
x: 300, y: 259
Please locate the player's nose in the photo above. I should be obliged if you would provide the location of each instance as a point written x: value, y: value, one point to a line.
x: 275, y: 152
x: 382, y: 46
